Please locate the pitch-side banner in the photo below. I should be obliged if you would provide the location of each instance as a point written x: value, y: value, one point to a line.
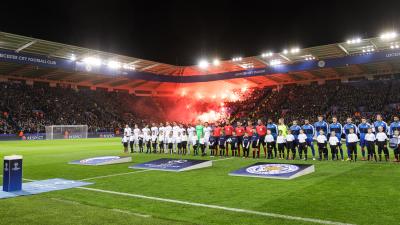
x: 43, y: 61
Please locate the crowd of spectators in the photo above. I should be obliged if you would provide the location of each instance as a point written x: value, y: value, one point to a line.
x: 29, y: 108
x: 351, y: 99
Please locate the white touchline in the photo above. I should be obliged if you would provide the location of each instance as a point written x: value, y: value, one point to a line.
x: 275, y: 215
x: 220, y: 159
x: 117, y: 174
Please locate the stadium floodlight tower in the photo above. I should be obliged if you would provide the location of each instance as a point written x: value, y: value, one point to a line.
x: 66, y: 132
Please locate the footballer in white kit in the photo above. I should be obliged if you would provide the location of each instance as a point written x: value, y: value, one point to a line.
x: 207, y: 133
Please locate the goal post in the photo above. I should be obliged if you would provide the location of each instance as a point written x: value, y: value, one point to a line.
x: 66, y: 132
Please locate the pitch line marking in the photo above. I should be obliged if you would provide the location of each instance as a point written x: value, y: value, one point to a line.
x: 113, y: 175
x: 115, y: 210
x: 275, y: 215
x: 131, y: 213
x: 222, y: 159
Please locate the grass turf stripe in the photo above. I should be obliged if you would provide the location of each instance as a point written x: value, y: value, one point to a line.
x: 275, y: 215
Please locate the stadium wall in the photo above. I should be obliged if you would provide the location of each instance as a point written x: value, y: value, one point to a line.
x: 42, y: 136
x: 22, y: 58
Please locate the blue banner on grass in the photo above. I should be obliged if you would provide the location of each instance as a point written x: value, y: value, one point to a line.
x: 176, y: 165
x: 41, y: 186
x: 274, y: 170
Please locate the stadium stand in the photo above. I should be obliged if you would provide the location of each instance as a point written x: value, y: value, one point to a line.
x: 29, y: 108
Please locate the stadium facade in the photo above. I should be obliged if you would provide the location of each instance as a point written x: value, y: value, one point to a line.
x: 36, y: 60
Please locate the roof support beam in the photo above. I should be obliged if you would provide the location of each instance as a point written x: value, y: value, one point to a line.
x: 25, y: 46
x: 343, y: 49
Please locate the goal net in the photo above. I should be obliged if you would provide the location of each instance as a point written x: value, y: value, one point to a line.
x: 66, y: 132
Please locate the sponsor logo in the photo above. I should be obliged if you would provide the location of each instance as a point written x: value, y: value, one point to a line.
x: 272, y: 169
x: 16, y: 167
x: 171, y: 164
x: 107, y: 135
x: 35, y: 137
x: 76, y: 136
x: 96, y: 160
x: 393, y: 54
x: 321, y: 63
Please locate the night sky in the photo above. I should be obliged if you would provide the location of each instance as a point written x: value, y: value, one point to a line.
x: 181, y: 32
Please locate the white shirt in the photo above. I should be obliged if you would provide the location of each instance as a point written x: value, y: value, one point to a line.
x: 170, y: 140
x: 167, y: 130
x: 153, y: 138
x: 141, y: 136
x: 352, y: 138
x: 370, y: 137
x: 269, y: 138
x: 202, y: 141
x: 161, y: 129
x: 190, y: 131
x: 161, y: 137
x: 178, y: 139
x: 132, y: 138
x: 184, y: 138
x: 136, y: 132
x: 125, y: 139
x: 193, y: 139
x: 280, y: 139
x: 381, y: 136
x: 145, y: 130
x: 290, y: 137
x: 302, y: 138
x: 207, y: 131
x: 127, y: 131
x: 321, y: 139
x: 175, y: 131
x: 147, y: 138
x: 154, y: 130
x: 333, y: 140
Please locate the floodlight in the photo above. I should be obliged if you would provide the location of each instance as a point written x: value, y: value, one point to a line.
x: 203, y: 64
x: 92, y: 61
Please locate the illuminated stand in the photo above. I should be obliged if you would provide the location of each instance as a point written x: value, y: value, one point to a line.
x: 12, y: 173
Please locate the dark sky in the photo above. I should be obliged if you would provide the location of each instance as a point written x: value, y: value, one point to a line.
x: 181, y: 32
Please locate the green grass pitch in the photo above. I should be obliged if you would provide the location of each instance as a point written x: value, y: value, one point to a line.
x: 354, y: 193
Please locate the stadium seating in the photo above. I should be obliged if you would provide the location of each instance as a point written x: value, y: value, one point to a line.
x: 31, y: 107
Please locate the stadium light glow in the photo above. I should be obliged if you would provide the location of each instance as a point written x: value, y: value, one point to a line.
x: 294, y: 50
x: 275, y: 62
x: 285, y: 51
x: 309, y: 57
x: 73, y: 57
x: 354, y: 41
x: 203, y: 64
x: 368, y: 49
x: 388, y: 35
x: 129, y: 67
x: 266, y: 55
x: 237, y: 59
x: 216, y: 62
x: 394, y: 45
x: 92, y: 61
x: 114, y: 65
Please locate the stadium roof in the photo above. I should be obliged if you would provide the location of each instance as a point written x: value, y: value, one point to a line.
x: 22, y: 44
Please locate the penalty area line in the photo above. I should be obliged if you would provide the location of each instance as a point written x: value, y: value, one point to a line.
x: 267, y: 214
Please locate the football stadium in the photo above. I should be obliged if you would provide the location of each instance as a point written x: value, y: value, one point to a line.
x: 296, y: 135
